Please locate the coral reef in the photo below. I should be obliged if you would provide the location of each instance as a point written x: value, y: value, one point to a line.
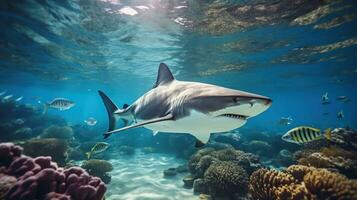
x: 40, y: 178
x: 56, y: 148
x: 226, y: 178
x: 327, y: 185
x: 222, y: 173
x: 99, y: 168
x: 301, y: 182
x: 60, y: 132
x: 259, y: 147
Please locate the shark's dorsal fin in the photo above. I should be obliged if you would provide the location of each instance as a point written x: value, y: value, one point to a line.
x: 164, y: 75
x: 155, y: 120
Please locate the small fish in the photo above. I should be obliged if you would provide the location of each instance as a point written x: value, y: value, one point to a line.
x: 19, y: 99
x: 325, y: 113
x: 8, y: 97
x: 2, y: 93
x: 304, y: 134
x: 341, y: 98
x: 59, y: 103
x: 340, y: 115
x: 97, y: 148
x: 325, y: 99
x: 285, y: 120
x: 91, y: 121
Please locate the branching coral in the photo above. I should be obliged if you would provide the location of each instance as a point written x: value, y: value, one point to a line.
x: 226, y: 178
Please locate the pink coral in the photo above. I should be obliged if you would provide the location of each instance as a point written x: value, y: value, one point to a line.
x: 40, y: 178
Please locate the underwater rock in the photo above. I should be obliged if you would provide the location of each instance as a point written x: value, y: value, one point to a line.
x: 56, y: 148
x: 182, y: 168
x: 226, y: 179
x: 99, y: 168
x: 60, y: 132
x: 40, y: 178
x: 301, y: 182
x: 126, y: 150
x: 199, y: 186
x: 188, y: 181
x: 204, y: 197
x: 170, y: 172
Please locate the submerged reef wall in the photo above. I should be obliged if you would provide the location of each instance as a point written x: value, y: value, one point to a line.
x: 26, y: 178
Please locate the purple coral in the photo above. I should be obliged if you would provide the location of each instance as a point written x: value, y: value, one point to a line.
x: 40, y: 178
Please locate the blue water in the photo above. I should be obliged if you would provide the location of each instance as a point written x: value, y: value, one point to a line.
x: 73, y: 48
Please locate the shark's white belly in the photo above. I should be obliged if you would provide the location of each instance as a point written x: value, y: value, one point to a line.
x: 197, y: 123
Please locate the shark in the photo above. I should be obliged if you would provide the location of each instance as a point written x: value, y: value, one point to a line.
x: 195, y: 108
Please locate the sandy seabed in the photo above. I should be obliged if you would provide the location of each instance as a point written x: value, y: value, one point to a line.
x: 140, y: 177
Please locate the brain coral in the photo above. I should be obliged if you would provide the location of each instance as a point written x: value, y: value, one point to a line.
x: 226, y: 178
x: 40, y: 178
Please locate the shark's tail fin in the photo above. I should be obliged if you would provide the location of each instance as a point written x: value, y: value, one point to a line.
x: 111, y: 108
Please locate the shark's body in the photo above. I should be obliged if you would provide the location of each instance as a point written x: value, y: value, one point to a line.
x: 187, y: 107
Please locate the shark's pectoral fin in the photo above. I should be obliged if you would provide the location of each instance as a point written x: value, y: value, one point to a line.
x: 159, y: 119
x: 202, y: 138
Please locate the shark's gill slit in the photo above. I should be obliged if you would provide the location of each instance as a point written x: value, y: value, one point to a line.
x: 235, y: 116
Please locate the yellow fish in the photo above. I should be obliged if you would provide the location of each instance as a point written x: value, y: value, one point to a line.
x: 304, y: 134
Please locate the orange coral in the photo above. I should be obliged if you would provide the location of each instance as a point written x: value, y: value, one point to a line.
x: 299, y: 171
x: 299, y: 183
x: 293, y: 192
x: 263, y: 183
x: 327, y: 185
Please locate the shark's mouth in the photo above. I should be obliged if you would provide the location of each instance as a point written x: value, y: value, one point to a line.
x: 234, y: 116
